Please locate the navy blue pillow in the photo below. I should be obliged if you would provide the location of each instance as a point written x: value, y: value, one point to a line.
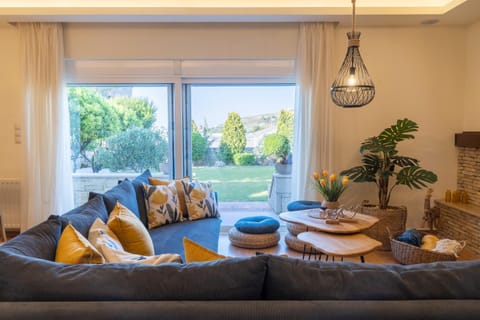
x: 140, y: 193
x: 83, y: 217
x: 304, y: 205
x: 412, y: 236
x: 257, y: 225
x: 124, y: 193
x: 40, y: 241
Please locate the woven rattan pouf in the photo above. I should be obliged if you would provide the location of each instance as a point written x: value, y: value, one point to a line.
x: 253, y: 241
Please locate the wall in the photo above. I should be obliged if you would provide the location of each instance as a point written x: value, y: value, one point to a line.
x: 472, y: 83
x: 10, y: 102
x: 419, y: 73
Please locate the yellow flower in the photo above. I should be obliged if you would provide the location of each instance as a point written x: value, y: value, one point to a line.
x: 333, y: 177
x: 345, y: 181
x: 325, y: 173
x: 315, y: 175
x: 323, y: 182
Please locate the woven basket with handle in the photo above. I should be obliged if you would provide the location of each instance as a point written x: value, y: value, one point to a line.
x: 406, y: 253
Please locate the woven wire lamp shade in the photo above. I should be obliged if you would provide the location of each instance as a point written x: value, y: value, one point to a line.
x: 353, y: 86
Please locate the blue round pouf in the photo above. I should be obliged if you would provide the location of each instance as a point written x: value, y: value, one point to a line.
x: 257, y: 225
x: 304, y: 205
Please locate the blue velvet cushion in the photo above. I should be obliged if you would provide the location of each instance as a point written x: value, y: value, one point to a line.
x: 140, y: 193
x: 124, y: 192
x: 304, y: 205
x: 40, y: 241
x: 412, y: 236
x: 257, y: 225
x: 29, y: 279
x: 83, y: 217
x: 295, y: 279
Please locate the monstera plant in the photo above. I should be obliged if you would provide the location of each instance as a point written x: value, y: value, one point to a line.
x: 383, y: 165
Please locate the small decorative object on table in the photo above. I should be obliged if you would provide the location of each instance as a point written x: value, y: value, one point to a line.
x: 330, y: 187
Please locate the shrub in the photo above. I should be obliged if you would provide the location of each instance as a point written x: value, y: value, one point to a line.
x: 277, y: 146
x: 244, y: 159
x: 135, y: 149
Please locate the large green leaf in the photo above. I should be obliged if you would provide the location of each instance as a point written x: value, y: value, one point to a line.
x: 399, y: 131
x: 415, y: 177
x: 404, y: 161
x: 359, y: 174
x: 375, y: 145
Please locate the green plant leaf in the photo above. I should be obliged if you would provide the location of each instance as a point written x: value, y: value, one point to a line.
x: 399, y: 131
x: 375, y: 145
x: 415, y: 177
x: 359, y: 174
x: 404, y: 161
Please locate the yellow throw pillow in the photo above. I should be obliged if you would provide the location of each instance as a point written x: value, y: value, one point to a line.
x: 195, y: 252
x: 130, y: 231
x: 106, y: 242
x: 162, y: 206
x: 73, y: 248
x: 429, y: 242
x: 178, y: 186
x: 200, y: 200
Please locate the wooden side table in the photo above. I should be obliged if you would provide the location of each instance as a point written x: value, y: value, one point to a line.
x: 340, y: 245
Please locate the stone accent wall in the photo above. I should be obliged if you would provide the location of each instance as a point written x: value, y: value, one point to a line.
x: 459, y: 222
x: 468, y: 176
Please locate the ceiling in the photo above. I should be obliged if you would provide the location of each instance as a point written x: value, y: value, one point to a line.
x: 369, y: 12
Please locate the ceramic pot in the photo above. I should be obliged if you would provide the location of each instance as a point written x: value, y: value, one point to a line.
x: 330, y: 204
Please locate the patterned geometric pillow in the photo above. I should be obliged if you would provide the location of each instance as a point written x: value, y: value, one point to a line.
x: 177, y: 184
x: 162, y: 205
x: 200, y: 200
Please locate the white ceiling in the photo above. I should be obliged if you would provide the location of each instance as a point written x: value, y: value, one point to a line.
x: 369, y: 12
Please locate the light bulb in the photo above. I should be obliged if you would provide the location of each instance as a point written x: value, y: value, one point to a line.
x: 352, y: 79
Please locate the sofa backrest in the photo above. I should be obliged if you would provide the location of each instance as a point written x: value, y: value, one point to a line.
x: 295, y: 279
x: 40, y: 241
x: 29, y: 279
x: 82, y: 217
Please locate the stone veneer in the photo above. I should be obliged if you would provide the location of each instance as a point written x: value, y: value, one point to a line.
x: 468, y: 175
x: 459, y: 221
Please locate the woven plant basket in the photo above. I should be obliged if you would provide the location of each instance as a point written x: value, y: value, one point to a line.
x: 393, y: 218
x: 406, y: 253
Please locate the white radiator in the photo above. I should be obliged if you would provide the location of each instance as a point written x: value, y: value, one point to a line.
x: 10, y: 203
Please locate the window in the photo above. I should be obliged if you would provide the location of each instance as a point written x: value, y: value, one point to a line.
x: 236, y: 135
x: 118, y: 131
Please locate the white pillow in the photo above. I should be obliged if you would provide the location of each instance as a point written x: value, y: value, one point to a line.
x: 108, y: 244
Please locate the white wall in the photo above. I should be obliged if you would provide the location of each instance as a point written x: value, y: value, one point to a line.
x: 472, y: 83
x: 10, y: 102
x: 419, y: 73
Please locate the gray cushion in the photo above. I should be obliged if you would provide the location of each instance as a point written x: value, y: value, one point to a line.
x: 140, y: 194
x: 169, y: 238
x: 312, y: 280
x: 29, y: 279
x: 39, y: 241
x: 124, y: 192
x: 83, y: 217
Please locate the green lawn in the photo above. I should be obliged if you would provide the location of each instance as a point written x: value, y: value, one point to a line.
x: 237, y: 183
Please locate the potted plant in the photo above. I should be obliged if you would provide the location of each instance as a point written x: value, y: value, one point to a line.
x: 383, y: 166
x: 330, y: 187
x: 277, y: 147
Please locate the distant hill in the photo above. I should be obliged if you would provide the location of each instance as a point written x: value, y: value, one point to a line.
x: 254, y: 123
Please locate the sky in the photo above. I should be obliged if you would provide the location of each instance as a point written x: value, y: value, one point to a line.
x: 213, y: 103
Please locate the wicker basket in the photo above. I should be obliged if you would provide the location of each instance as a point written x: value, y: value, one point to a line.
x: 406, y: 253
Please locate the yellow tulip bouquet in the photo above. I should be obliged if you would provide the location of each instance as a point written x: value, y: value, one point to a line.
x: 329, y: 186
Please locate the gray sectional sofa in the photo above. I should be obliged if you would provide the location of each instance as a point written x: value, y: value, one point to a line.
x: 33, y: 286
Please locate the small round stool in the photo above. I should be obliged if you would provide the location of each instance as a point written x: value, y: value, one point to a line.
x: 255, y: 233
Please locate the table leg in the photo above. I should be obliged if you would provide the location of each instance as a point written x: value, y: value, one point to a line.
x: 362, y: 259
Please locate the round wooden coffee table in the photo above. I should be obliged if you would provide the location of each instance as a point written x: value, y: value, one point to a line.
x: 340, y: 245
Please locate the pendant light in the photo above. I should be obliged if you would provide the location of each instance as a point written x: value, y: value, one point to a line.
x: 353, y: 86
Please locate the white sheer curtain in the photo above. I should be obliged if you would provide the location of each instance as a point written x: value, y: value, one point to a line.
x: 47, y: 183
x: 313, y: 137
